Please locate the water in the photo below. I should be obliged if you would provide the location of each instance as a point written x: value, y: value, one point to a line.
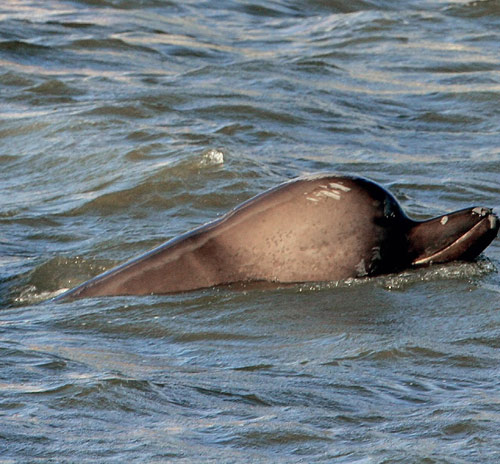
x: 126, y: 122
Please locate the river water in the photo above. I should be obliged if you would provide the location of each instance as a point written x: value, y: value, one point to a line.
x: 126, y: 122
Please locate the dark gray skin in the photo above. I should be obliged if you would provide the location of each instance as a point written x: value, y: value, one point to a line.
x: 317, y: 228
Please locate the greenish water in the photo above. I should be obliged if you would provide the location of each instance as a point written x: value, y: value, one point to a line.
x: 124, y: 123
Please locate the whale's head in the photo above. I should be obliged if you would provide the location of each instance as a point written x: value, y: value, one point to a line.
x: 461, y: 235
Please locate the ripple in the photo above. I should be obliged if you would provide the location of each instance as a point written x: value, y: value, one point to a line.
x: 23, y: 49
x: 108, y: 44
x: 475, y: 9
x: 55, y: 87
x: 124, y: 110
x: 248, y: 398
x: 15, y: 79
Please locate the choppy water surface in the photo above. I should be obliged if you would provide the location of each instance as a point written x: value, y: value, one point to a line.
x: 126, y: 122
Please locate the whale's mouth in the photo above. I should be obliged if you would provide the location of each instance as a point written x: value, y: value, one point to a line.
x: 461, y: 235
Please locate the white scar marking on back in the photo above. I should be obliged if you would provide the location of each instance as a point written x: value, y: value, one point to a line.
x: 331, y: 190
x: 444, y: 220
x: 339, y: 187
x: 327, y: 193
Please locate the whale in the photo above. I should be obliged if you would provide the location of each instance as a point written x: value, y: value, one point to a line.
x: 323, y: 227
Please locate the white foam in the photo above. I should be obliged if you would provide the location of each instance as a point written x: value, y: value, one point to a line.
x: 212, y: 157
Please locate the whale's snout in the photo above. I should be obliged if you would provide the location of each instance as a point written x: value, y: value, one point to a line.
x: 487, y: 214
x: 461, y: 235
